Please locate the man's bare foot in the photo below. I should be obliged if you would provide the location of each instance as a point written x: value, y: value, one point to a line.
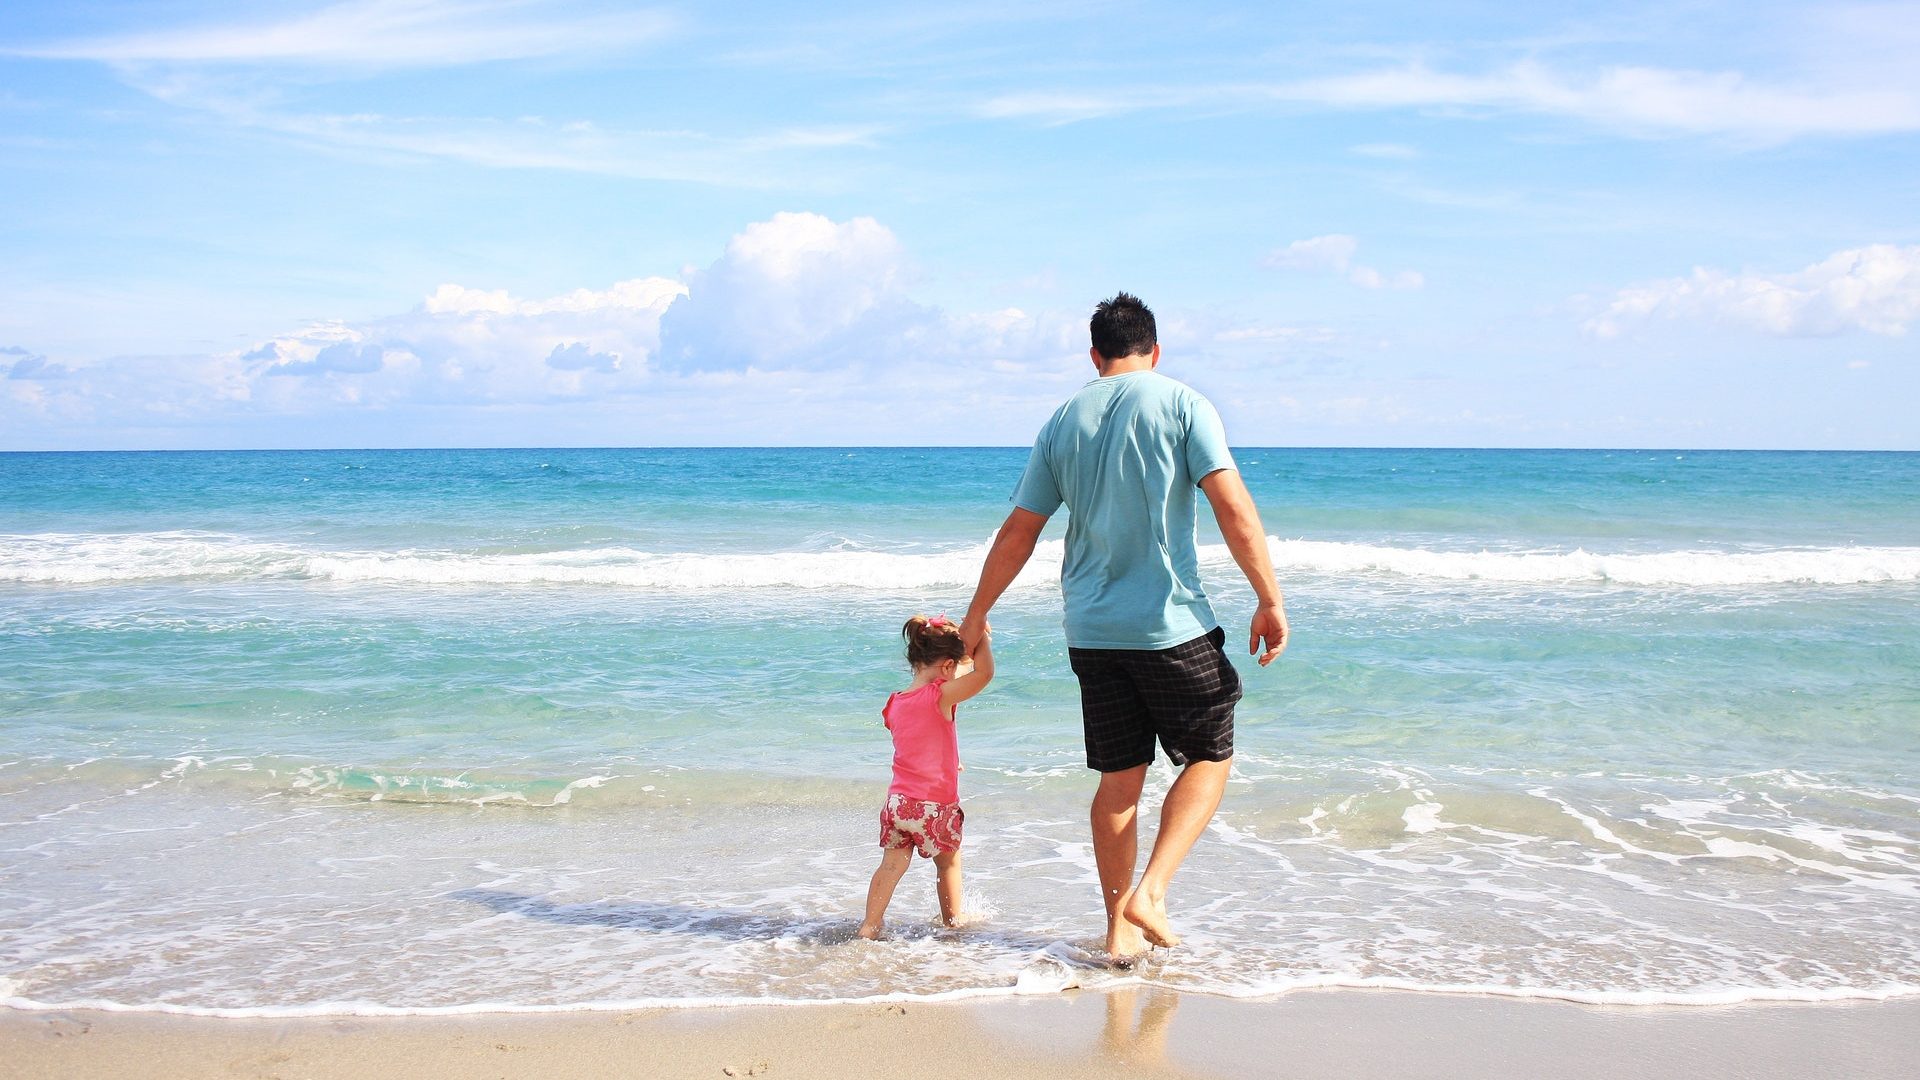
x: 1151, y: 917
x: 1125, y: 946
x: 870, y: 931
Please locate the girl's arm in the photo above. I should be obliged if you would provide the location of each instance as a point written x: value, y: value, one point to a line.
x: 959, y: 689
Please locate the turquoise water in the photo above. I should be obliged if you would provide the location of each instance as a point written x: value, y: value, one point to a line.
x: 406, y: 730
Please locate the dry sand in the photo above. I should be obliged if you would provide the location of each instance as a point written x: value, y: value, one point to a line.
x: 1136, y: 1033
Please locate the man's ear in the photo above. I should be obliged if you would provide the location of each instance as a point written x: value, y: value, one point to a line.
x: 1156, y: 356
x: 1099, y: 362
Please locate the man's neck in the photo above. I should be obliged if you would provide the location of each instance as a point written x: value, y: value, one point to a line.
x: 1127, y: 365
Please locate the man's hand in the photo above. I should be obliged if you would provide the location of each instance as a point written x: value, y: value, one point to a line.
x: 1270, y: 627
x: 973, y: 632
x: 1240, y: 527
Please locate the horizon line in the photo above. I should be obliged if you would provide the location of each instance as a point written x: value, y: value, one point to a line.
x: 947, y: 446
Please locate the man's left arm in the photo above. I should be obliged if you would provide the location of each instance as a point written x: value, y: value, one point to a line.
x: 1012, y: 546
x: 1246, y: 538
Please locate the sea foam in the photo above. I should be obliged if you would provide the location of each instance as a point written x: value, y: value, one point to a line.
x: 91, y: 559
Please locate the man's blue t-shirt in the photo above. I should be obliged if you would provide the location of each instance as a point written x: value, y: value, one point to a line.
x: 1126, y: 455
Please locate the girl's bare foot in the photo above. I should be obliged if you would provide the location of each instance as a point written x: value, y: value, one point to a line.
x: 1151, y: 917
x: 870, y: 931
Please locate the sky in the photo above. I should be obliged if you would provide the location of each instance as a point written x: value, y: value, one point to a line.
x: 388, y: 223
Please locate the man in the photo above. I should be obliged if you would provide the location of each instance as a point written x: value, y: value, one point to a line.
x: 1125, y: 455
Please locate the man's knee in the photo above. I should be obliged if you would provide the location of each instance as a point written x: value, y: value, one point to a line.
x: 1122, y: 786
x: 1206, y: 773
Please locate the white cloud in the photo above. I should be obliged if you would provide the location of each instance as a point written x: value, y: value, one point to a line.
x: 1874, y: 288
x: 1334, y: 254
x: 576, y: 356
x: 1047, y: 345
x: 1264, y: 334
x: 1635, y: 100
x: 381, y: 33
x: 465, y: 346
x: 1368, y: 278
x: 246, y: 74
x: 798, y: 292
x: 1639, y: 100
x: 756, y: 161
x: 639, y: 294
x: 786, y: 157
x: 803, y: 330
x: 345, y: 357
x: 799, y: 314
x: 798, y: 288
x: 20, y: 363
x: 1069, y: 107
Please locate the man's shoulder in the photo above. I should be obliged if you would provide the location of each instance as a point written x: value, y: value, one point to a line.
x: 1139, y: 384
x: 1173, y: 388
x: 1091, y: 395
x: 1057, y: 415
x: 1145, y: 396
x: 1169, y: 399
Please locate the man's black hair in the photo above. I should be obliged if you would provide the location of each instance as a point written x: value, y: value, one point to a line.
x: 1122, y: 326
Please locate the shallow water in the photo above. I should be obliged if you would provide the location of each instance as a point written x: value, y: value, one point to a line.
x: 375, y: 731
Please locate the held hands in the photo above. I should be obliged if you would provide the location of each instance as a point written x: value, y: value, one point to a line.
x: 1270, y: 627
x: 973, y: 633
x: 976, y: 637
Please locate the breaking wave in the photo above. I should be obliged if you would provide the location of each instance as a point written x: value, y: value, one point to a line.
x: 96, y: 559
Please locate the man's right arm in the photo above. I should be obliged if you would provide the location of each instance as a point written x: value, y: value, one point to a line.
x: 1012, y: 547
x: 1246, y: 538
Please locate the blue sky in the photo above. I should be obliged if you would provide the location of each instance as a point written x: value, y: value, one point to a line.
x: 535, y: 222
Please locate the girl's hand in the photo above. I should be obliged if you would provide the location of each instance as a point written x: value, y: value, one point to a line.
x: 980, y: 661
x: 974, y: 632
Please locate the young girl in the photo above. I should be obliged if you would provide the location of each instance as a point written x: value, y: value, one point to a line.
x: 923, y: 804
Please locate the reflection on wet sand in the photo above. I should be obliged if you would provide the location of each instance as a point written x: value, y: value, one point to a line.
x: 1123, y: 1040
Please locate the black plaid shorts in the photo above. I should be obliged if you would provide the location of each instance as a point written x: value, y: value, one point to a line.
x: 1184, y: 696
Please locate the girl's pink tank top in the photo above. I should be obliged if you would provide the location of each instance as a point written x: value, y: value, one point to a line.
x: 926, y: 749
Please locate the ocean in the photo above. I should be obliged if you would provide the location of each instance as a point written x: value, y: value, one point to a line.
x: 460, y: 730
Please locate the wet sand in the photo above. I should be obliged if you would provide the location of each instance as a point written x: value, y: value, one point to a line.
x: 1146, y: 1032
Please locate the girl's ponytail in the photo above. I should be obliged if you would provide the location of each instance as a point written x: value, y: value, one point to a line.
x: 931, y: 639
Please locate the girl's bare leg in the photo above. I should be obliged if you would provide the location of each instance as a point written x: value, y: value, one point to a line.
x: 893, y: 864
x: 947, y: 863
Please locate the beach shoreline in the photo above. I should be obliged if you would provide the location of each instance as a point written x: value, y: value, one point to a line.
x: 1146, y: 1031
x: 580, y: 736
